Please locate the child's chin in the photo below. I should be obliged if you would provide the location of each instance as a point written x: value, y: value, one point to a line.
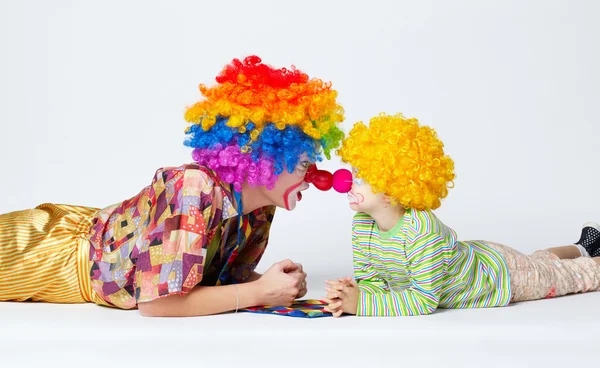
x: 354, y: 207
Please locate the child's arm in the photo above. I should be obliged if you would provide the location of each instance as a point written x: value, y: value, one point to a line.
x: 425, y: 271
x: 363, y: 270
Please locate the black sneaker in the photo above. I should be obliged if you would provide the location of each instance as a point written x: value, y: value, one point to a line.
x: 590, y: 239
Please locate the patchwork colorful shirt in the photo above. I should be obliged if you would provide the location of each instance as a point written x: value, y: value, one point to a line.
x: 419, y: 266
x: 157, y: 243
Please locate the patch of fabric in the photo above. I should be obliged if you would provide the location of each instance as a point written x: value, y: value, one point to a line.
x: 309, y: 308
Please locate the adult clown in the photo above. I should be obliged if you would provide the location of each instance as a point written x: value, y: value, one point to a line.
x: 188, y: 243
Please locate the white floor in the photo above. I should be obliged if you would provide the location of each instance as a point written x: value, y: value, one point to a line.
x: 560, y: 332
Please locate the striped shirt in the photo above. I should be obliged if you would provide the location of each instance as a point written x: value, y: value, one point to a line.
x: 420, y: 266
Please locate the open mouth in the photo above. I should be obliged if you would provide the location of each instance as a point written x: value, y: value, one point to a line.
x: 353, y: 198
x: 288, y: 192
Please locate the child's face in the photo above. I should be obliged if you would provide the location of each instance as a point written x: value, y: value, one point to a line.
x: 361, y: 196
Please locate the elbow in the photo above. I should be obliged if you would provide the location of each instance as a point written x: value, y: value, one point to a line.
x: 147, y: 309
x: 428, y: 308
x: 171, y: 306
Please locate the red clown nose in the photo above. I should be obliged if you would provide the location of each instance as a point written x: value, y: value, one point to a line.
x: 341, y: 180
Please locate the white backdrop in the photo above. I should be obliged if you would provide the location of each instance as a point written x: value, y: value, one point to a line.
x: 92, y: 97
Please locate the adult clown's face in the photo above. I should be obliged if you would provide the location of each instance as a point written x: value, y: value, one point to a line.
x: 288, y: 189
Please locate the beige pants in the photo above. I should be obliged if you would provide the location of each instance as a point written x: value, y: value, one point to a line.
x: 544, y: 275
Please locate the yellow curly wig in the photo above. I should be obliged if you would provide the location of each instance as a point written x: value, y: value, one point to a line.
x: 402, y: 159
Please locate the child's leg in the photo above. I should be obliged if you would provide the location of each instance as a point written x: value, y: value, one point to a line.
x: 544, y: 274
x: 588, y: 244
x: 568, y: 276
x: 566, y: 252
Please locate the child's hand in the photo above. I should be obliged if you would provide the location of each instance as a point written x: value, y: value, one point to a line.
x: 342, y: 296
x: 334, y: 303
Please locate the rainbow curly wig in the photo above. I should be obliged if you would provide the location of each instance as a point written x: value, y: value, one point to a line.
x: 402, y: 159
x: 257, y: 121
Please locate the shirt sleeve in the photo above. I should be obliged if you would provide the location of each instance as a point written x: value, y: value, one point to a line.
x: 175, y: 240
x: 425, y: 271
x: 364, y: 272
x: 250, y: 256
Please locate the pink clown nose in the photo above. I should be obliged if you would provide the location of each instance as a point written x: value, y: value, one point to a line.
x: 323, y: 180
x: 342, y: 181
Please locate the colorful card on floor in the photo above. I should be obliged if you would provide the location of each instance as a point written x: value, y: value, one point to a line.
x: 301, y: 308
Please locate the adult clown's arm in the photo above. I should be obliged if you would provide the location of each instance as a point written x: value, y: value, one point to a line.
x: 208, y: 300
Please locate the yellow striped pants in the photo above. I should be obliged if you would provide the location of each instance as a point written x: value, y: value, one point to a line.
x: 44, y: 255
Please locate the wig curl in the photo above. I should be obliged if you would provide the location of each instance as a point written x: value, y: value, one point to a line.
x: 258, y: 121
x: 402, y: 159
